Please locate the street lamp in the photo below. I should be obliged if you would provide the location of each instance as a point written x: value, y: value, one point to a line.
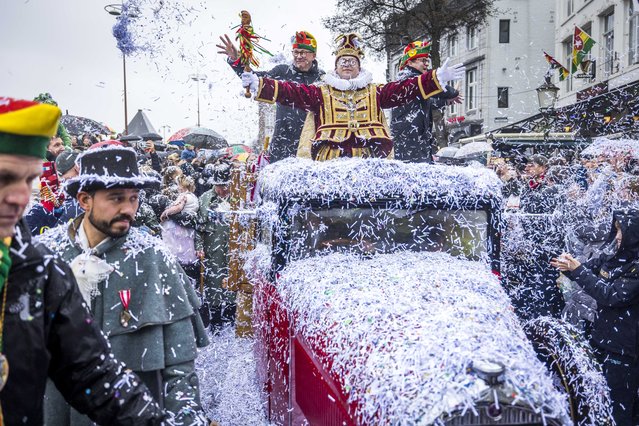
x: 547, y: 95
x: 164, y: 129
x: 116, y: 10
x: 198, y: 78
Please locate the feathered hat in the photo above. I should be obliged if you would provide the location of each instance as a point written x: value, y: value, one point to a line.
x: 349, y: 45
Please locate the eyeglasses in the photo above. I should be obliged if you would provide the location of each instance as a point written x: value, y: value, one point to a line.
x: 300, y: 52
x: 343, y: 62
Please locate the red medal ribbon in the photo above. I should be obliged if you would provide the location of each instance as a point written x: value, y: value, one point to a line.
x: 125, y: 298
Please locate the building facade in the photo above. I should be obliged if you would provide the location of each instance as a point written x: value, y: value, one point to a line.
x: 504, y: 64
x: 601, y: 98
x: 614, y: 59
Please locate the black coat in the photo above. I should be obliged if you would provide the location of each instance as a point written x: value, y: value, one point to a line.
x: 542, y: 198
x: 412, y: 124
x: 288, y: 121
x: 613, y: 281
x: 49, y: 332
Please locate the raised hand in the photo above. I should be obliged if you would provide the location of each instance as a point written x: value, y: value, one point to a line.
x: 565, y: 262
x: 227, y: 48
x: 250, y: 80
x: 447, y: 73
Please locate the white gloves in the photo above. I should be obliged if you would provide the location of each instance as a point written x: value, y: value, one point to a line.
x: 446, y: 73
x: 250, y: 80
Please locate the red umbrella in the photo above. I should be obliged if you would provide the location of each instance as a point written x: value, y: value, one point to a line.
x: 200, y: 137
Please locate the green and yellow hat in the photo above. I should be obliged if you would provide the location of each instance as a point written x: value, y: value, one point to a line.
x: 26, y: 127
x: 414, y: 50
x: 305, y: 40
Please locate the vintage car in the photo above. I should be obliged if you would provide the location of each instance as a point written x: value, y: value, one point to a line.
x: 377, y: 300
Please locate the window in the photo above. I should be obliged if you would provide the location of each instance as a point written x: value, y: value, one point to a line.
x: 504, y: 30
x: 609, y: 42
x: 568, y: 62
x: 453, y: 110
x: 471, y: 89
x: 570, y: 7
x: 452, y: 45
x: 471, y: 38
x: 633, y: 35
x: 502, y: 97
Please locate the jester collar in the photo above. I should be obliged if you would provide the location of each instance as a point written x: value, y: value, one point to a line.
x: 362, y: 80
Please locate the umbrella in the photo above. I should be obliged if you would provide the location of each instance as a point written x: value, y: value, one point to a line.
x: 242, y: 156
x: 179, y: 143
x: 236, y: 149
x: 151, y: 136
x: 130, y: 138
x: 78, y: 126
x: 200, y: 137
x: 474, y: 149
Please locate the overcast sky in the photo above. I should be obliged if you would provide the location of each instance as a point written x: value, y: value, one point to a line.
x: 66, y: 47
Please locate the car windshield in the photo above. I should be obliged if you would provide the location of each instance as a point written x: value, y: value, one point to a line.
x: 376, y: 230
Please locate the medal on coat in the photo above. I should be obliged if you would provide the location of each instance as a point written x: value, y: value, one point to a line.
x: 125, y: 315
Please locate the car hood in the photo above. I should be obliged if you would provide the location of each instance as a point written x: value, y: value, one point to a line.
x: 400, y: 331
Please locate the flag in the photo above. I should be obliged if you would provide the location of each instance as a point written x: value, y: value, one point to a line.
x: 581, y: 45
x: 554, y: 64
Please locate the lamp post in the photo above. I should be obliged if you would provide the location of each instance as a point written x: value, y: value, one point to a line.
x: 547, y: 95
x: 116, y: 10
x: 197, y: 78
x: 164, y: 129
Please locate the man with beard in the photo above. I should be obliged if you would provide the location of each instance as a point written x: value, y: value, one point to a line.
x: 46, y: 329
x: 137, y: 291
x: 304, y: 69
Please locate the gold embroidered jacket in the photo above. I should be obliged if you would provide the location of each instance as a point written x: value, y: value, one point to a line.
x: 349, y: 123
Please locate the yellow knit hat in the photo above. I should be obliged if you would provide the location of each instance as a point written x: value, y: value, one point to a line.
x: 26, y: 126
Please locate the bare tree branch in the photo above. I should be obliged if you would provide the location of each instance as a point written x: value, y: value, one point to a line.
x: 384, y: 23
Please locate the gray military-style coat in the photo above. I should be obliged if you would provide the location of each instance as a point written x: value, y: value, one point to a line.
x: 159, y: 343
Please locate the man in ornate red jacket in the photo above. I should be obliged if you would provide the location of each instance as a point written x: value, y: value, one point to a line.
x: 347, y: 106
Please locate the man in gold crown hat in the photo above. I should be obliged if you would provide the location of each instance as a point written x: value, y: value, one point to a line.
x: 347, y: 106
x: 45, y: 326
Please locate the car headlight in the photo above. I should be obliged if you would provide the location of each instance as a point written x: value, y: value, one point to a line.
x: 491, y: 372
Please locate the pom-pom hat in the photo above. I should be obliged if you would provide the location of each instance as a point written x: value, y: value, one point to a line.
x: 26, y: 126
x: 305, y: 40
x: 349, y: 45
x: 108, y: 168
x: 414, y: 50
